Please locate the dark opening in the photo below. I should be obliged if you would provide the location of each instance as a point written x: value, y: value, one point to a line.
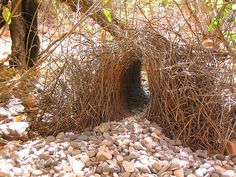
x: 137, y: 90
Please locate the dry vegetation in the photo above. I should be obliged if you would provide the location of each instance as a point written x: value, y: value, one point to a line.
x: 190, y: 70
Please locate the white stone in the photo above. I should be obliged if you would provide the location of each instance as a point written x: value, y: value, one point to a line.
x: 84, y: 158
x: 17, y: 171
x: 37, y: 172
x: 228, y: 173
x: 76, y: 165
x: 20, y: 127
x: 200, y: 172
x: 138, y: 146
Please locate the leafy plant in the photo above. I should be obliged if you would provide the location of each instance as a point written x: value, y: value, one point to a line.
x: 222, y: 14
x: 6, y: 13
x: 107, y: 14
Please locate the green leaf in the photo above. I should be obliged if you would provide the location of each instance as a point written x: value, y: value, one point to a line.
x: 107, y: 14
x: 220, y: 17
x: 213, y: 24
x: 6, y: 13
x: 231, y: 36
x: 105, y: 1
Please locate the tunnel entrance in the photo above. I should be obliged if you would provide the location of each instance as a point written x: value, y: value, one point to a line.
x: 136, y: 88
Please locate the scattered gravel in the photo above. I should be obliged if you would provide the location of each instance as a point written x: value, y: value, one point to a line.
x: 133, y: 147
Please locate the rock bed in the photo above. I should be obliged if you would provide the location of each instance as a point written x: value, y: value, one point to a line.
x: 132, y: 147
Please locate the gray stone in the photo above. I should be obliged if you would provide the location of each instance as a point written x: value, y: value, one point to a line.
x: 145, y: 169
x: 83, y: 137
x: 138, y: 146
x: 110, y: 168
x: 220, y: 157
x: 133, y: 155
x: 48, y: 162
x: 75, y: 152
x: 234, y: 160
x: 50, y: 139
x: 219, y: 169
x: 44, y: 156
x: 60, y: 135
x: 91, y: 153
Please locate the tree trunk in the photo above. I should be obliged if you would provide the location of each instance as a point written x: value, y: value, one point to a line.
x: 30, y: 15
x: 18, y: 32
x: 24, y: 32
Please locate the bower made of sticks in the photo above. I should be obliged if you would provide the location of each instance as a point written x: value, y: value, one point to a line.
x: 187, y: 91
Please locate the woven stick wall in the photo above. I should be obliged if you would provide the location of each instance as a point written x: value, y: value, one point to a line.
x: 187, y: 101
x: 187, y: 88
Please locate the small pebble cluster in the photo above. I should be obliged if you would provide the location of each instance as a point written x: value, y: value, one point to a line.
x: 133, y: 147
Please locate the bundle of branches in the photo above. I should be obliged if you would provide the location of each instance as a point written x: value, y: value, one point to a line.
x: 192, y: 94
x: 190, y: 90
x: 90, y: 88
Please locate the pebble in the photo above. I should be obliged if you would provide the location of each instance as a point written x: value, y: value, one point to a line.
x: 17, y: 171
x: 200, y: 172
x: 60, y: 135
x: 119, y: 158
x: 85, y: 158
x: 133, y: 155
x: 107, y: 142
x: 110, y: 168
x: 50, y: 139
x: 128, y: 148
x: 128, y: 166
x: 5, y: 173
x: 138, y: 146
x: 75, y: 152
x: 91, y: 153
x: 44, y: 156
x: 102, y: 156
x: 37, y: 172
x: 220, y: 157
x: 179, y: 172
x: 157, y: 166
